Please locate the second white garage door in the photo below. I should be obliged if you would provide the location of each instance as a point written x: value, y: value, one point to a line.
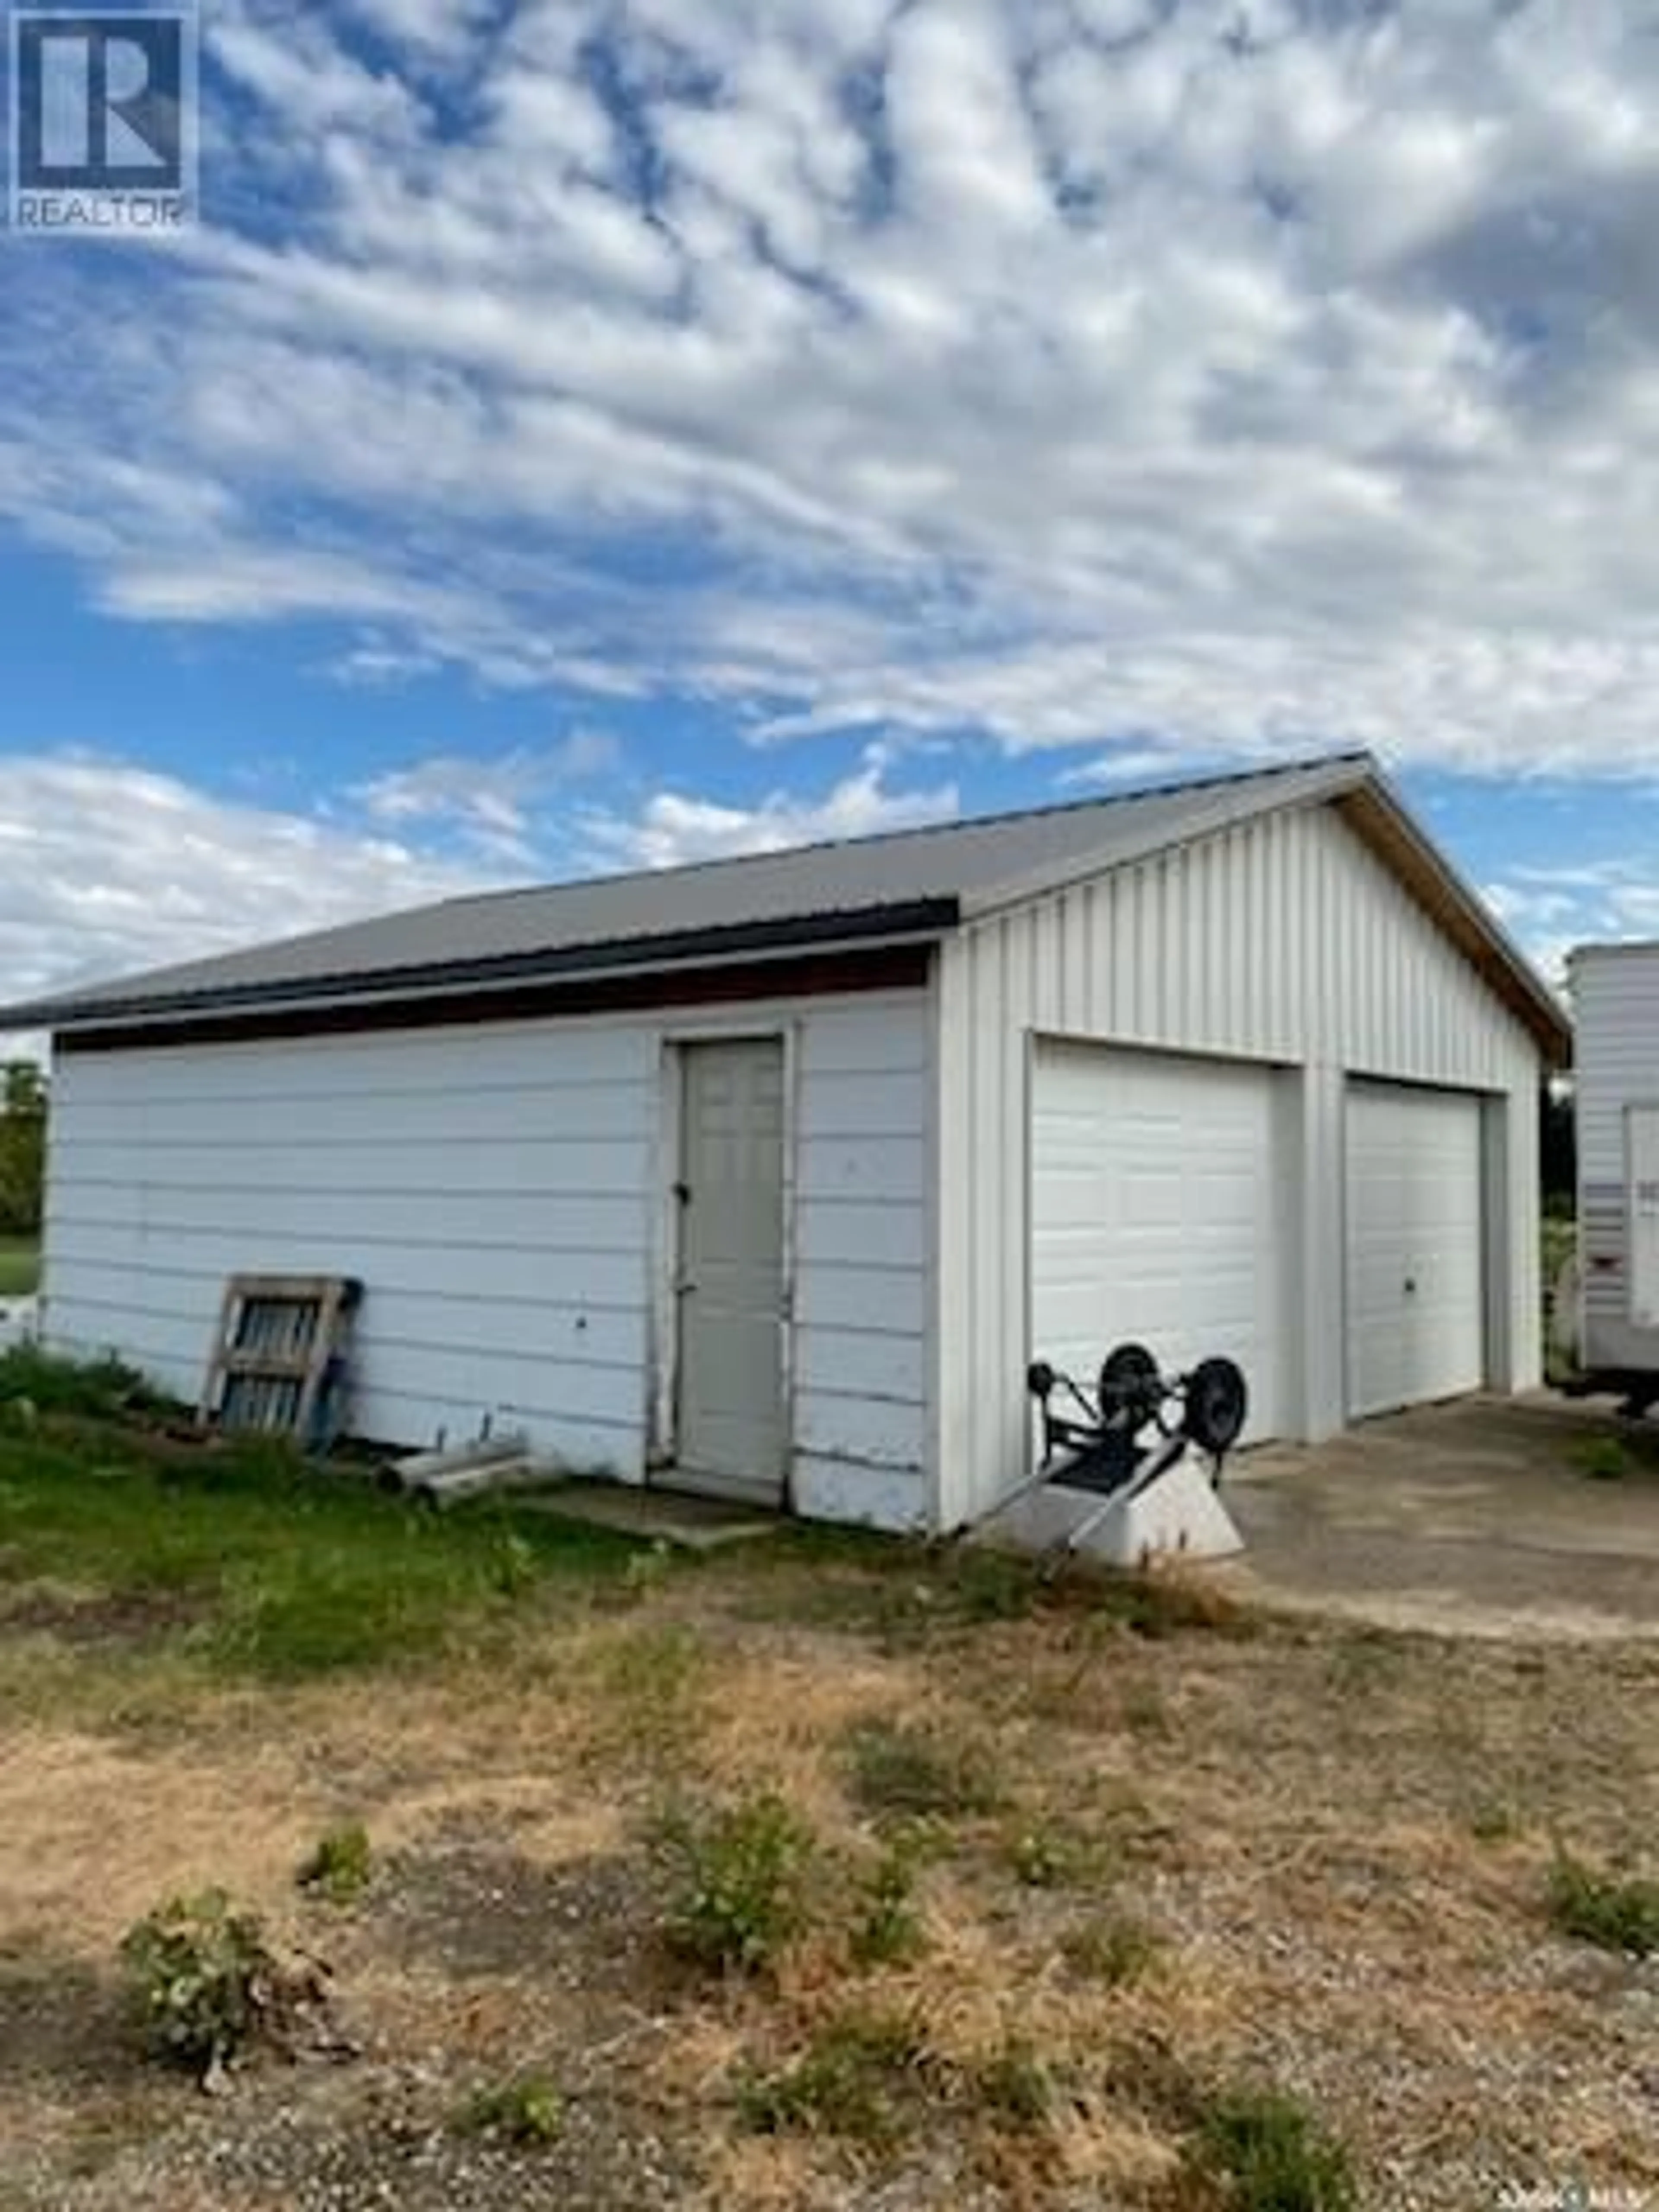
x: 1156, y: 1214
x: 1415, y: 1303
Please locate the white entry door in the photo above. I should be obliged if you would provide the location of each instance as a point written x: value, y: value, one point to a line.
x: 1157, y: 1214
x: 730, y: 1280
x: 1416, y: 1320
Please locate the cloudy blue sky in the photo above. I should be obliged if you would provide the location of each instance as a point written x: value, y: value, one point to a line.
x: 590, y: 433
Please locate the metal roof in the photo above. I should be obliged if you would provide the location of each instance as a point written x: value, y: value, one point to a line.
x: 912, y: 884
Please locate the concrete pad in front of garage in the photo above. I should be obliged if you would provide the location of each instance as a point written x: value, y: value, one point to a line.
x: 1474, y: 1518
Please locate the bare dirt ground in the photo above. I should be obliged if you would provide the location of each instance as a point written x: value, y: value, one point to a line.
x: 1331, y: 1845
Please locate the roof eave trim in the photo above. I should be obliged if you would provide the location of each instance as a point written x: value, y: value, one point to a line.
x: 913, y: 922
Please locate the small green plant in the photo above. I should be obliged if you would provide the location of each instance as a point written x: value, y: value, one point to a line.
x: 1616, y: 1912
x: 514, y: 1569
x: 205, y: 1984
x: 1046, y: 1854
x: 340, y: 1867
x: 1113, y: 1948
x: 903, y: 1772
x: 1270, y: 2154
x: 1603, y: 1459
x: 740, y: 1882
x: 646, y: 1574
x: 860, y: 2076
x: 528, y: 2113
x: 1015, y: 2085
x: 888, y: 1930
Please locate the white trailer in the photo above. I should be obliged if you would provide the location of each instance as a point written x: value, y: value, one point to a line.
x: 1615, y: 993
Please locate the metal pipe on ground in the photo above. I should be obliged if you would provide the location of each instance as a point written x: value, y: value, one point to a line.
x: 423, y: 1468
x: 443, y: 1491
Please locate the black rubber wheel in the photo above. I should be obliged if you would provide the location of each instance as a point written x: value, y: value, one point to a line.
x: 1218, y: 1406
x: 1128, y: 1382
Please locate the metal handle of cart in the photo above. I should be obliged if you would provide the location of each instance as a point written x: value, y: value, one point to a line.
x: 1135, y: 1424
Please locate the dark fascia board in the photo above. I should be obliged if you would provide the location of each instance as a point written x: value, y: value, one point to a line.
x: 909, y: 922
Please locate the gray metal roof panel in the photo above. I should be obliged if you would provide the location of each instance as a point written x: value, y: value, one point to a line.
x: 859, y: 885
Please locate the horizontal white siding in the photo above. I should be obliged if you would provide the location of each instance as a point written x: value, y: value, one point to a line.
x: 491, y: 1188
x: 1285, y: 941
x: 498, y: 1191
x: 1615, y: 995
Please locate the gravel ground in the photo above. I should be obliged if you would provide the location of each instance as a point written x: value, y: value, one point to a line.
x: 1335, y: 1840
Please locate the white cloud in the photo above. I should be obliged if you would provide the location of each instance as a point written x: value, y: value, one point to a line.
x: 492, y: 803
x: 675, y: 828
x: 1553, y: 909
x: 1225, y: 378
x: 108, y: 868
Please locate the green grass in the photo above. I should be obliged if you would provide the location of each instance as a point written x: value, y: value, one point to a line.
x: 899, y: 1769
x: 259, y: 1566
x: 1271, y: 2154
x: 861, y: 2075
x: 1615, y: 1911
x: 529, y: 2113
x: 20, y: 1266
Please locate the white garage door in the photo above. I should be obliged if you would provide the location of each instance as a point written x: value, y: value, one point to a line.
x: 1415, y: 1306
x: 1156, y: 1214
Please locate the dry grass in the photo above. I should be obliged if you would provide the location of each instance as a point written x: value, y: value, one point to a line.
x: 1288, y: 1822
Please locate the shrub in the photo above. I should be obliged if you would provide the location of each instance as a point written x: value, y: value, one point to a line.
x: 889, y: 1931
x: 204, y: 1983
x: 855, y: 2078
x: 900, y: 1769
x: 528, y: 2113
x: 1271, y: 2156
x: 340, y: 1865
x: 1616, y: 1912
x: 740, y: 1879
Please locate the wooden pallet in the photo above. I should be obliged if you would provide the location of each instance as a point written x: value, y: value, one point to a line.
x: 279, y: 1364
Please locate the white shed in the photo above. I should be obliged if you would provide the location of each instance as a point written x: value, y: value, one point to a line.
x: 768, y: 1177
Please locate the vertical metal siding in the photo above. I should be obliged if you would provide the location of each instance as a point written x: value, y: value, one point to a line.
x: 1285, y: 941
x: 1615, y: 993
